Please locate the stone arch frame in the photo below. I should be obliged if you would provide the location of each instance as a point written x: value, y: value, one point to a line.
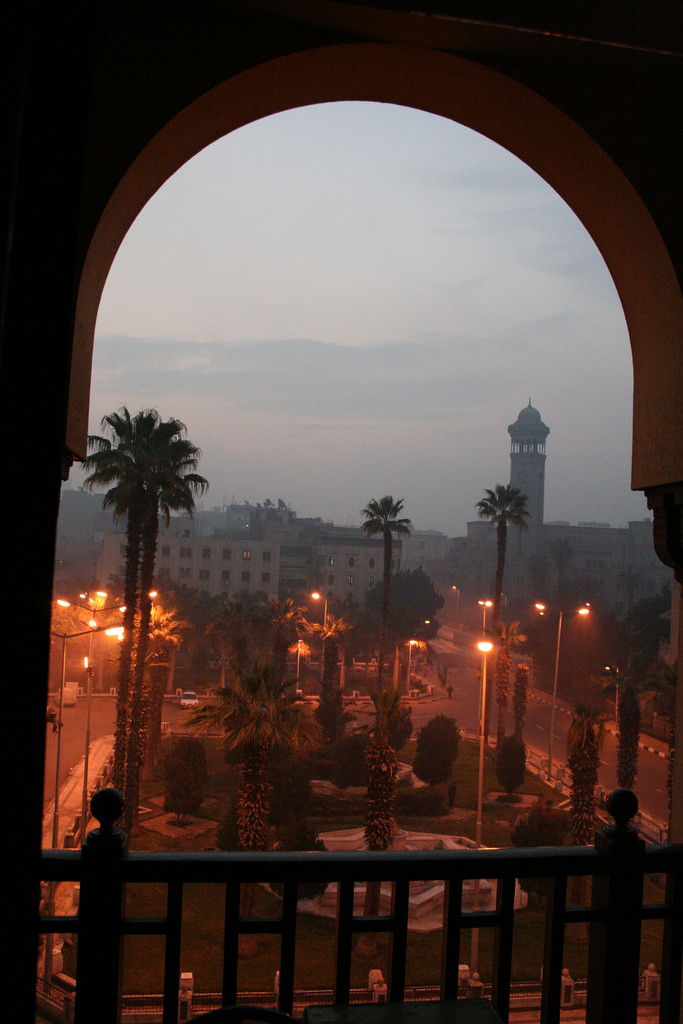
x: 502, y: 109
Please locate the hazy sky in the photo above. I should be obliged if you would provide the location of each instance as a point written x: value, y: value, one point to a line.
x: 350, y: 300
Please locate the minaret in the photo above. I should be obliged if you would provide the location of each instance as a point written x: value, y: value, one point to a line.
x: 527, y: 471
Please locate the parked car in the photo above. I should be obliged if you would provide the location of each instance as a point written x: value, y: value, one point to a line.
x: 189, y: 699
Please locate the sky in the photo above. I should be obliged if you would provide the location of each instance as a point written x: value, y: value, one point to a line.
x: 355, y: 299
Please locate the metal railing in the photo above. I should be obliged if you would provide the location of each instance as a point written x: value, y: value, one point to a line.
x: 615, y: 867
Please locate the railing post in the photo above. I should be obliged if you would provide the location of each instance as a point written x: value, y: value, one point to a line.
x: 99, y: 936
x: 614, y: 946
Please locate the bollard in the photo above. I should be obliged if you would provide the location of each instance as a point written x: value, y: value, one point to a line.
x: 653, y: 983
x: 475, y: 986
x: 185, y: 995
x: 566, y: 989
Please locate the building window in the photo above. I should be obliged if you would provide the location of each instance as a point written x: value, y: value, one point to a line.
x: 330, y: 560
x: 266, y: 556
x: 184, y: 573
x: 206, y: 552
x: 351, y: 580
x: 330, y: 581
x: 225, y: 576
x: 265, y: 577
x: 371, y: 581
x: 227, y: 554
x: 371, y: 563
x: 246, y: 576
x: 186, y: 552
x: 246, y: 555
x: 165, y: 550
x: 204, y: 574
x: 352, y: 562
x: 164, y: 574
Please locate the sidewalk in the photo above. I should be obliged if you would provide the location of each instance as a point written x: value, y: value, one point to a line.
x: 71, y: 791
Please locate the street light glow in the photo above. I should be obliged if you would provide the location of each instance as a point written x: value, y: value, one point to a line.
x: 485, y: 646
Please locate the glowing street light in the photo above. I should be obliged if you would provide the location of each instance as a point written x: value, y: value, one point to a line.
x: 541, y: 608
x: 484, y: 647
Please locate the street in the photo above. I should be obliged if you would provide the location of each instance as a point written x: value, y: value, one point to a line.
x: 463, y: 706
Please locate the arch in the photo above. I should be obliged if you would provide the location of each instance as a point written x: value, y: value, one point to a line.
x: 505, y: 111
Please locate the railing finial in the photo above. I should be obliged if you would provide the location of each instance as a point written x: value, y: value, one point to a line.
x: 107, y: 807
x: 622, y: 804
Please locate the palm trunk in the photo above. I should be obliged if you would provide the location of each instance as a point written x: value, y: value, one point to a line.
x: 386, y: 584
x: 133, y: 532
x: 140, y: 696
x: 500, y: 571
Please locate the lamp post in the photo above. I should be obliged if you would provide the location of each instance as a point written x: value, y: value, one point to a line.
x: 411, y: 644
x: 95, y: 605
x: 64, y: 637
x: 318, y: 597
x: 484, y: 647
x: 585, y: 610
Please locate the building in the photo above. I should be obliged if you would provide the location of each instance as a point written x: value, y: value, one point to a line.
x: 612, y: 567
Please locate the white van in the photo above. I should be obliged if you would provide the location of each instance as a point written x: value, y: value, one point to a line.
x: 69, y: 695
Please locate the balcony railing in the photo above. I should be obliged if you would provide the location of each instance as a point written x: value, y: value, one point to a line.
x: 614, y: 869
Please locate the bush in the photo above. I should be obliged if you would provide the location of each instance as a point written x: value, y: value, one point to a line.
x: 511, y: 763
x: 427, y: 801
x: 437, y: 749
x: 184, y: 774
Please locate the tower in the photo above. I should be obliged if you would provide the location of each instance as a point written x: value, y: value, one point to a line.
x: 527, y: 471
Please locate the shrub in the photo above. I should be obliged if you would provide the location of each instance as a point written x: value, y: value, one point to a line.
x: 437, y: 749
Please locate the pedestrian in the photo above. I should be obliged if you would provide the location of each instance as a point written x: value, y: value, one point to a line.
x: 452, y: 790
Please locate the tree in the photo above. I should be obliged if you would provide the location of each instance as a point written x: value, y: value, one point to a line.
x: 382, y: 517
x: 329, y: 712
x: 167, y: 633
x: 520, y: 697
x: 505, y: 506
x: 510, y: 764
x: 628, y: 736
x: 382, y: 765
x: 284, y: 619
x: 260, y: 716
x: 508, y: 639
x: 232, y: 627
x: 184, y: 774
x: 543, y: 825
x: 436, y: 749
x: 149, y: 466
x: 584, y: 743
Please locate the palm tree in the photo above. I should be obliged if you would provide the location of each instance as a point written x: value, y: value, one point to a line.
x: 508, y: 639
x: 329, y: 712
x: 150, y: 463
x: 519, y: 698
x: 167, y: 633
x: 628, y: 735
x: 584, y: 742
x: 382, y: 765
x: 382, y: 517
x: 260, y: 716
x: 505, y: 506
x: 232, y: 627
x: 285, y: 619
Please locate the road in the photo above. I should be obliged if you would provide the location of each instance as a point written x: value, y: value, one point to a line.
x: 463, y: 706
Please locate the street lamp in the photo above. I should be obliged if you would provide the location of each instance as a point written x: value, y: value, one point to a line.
x: 94, y: 606
x: 585, y: 610
x: 485, y: 647
x: 485, y: 605
x: 318, y: 597
x: 64, y: 637
x: 411, y: 644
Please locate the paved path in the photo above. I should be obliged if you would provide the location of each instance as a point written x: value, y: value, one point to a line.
x: 71, y: 792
